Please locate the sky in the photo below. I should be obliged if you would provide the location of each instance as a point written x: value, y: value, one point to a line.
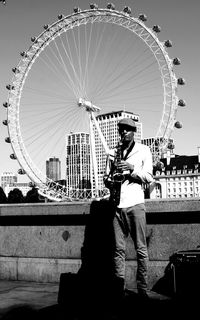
x: 179, y: 21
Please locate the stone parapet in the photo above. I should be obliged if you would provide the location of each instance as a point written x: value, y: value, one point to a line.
x: 38, y: 242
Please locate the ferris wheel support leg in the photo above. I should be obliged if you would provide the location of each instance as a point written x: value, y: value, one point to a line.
x: 94, y: 161
x: 100, y: 134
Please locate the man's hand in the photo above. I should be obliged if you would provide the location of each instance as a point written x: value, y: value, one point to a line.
x: 125, y: 166
x: 108, y: 182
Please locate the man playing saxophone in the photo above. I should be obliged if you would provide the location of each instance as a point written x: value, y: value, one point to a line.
x: 135, y: 170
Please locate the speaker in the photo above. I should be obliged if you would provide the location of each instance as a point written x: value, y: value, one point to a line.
x: 186, y: 273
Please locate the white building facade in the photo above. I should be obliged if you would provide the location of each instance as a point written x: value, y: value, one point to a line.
x: 8, y: 178
x: 108, y: 125
x: 179, y: 179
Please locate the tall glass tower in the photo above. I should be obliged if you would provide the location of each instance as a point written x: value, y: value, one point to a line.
x: 78, y: 166
x: 53, y: 169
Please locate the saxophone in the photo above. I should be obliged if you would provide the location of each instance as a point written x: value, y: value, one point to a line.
x: 116, y: 176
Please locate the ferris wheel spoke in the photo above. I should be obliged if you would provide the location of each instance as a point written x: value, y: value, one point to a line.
x: 122, y: 73
x: 69, y: 58
x: 87, y: 52
x: 45, y: 93
x: 77, y: 53
x: 74, y: 87
x: 63, y: 66
x: 39, y: 143
x: 119, y: 81
x: 51, y: 66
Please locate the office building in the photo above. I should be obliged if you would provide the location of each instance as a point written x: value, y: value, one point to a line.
x: 53, y: 169
x: 108, y: 125
x: 78, y: 166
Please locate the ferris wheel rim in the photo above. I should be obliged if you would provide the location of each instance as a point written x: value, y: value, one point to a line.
x: 44, y: 39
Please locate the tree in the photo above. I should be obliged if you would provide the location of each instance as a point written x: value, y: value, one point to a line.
x: 32, y: 195
x: 15, y: 196
x: 3, y: 198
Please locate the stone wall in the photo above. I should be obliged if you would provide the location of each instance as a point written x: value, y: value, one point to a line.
x: 38, y: 242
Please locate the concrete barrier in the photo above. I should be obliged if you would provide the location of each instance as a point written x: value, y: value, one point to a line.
x: 38, y: 242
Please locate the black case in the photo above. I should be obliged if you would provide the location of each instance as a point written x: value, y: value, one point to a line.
x: 186, y: 273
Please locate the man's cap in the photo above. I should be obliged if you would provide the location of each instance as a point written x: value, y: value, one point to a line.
x: 128, y: 122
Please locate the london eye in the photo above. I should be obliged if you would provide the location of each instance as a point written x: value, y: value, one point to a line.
x: 90, y: 62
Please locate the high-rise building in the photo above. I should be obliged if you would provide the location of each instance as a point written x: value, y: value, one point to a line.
x: 108, y: 125
x: 8, y: 178
x: 53, y: 169
x: 78, y: 166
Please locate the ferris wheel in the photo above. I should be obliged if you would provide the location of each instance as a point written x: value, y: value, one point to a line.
x: 90, y: 62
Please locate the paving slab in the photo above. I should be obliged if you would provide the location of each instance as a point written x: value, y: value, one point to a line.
x: 31, y: 300
x: 15, y: 294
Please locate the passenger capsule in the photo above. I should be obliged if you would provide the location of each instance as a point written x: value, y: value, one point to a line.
x: 170, y: 146
x: 181, y: 81
x: 159, y: 165
x: 60, y: 16
x: 110, y: 6
x: 142, y: 17
x: 178, y: 125
x: 176, y: 61
x: 32, y: 184
x: 21, y: 171
x: 5, y: 122
x: 13, y: 156
x: 33, y: 39
x: 46, y: 26
x: 76, y: 10
x: 6, y: 105
x: 181, y: 103
x: 168, y: 43
x: 127, y: 10
x: 23, y: 54
x: 156, y: 28
x: 93, y: 6
x: 10, y: 87
x: 15, y: 70
x: 7, y: 140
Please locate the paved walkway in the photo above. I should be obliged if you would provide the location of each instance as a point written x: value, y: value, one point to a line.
x: 31, y: 300
x: 30, y: 295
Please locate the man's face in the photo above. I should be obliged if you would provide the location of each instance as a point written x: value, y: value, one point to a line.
x: 126, y: 133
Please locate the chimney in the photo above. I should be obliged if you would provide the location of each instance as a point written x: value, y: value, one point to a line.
x: 198, y: 148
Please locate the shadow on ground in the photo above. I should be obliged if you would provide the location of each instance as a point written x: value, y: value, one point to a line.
x: 129, y: 308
